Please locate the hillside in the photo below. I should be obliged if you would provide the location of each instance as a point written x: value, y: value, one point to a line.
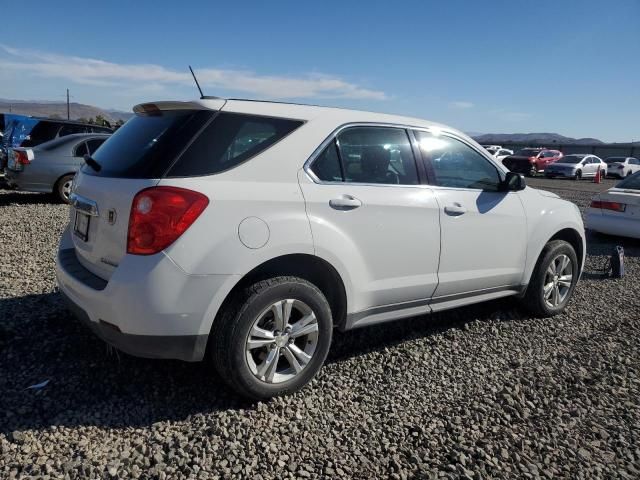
x: 547, y: 139
x: 59, y: 109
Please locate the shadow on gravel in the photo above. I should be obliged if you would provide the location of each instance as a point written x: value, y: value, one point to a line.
x: 599, y: 244
x: 12, y: 197
x: 91, y: 384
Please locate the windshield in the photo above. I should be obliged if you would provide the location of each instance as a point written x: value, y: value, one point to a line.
x: 527, y: 152
x: 615, y: 160
x: 571, y: 159
x: 630, y: 183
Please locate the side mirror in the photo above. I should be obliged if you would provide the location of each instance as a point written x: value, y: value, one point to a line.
x: 513, y: 182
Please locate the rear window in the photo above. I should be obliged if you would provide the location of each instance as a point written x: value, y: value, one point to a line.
x: 186, y: 143
x: 615, y: 160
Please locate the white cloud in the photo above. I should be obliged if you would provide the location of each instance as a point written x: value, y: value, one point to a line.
x: 461, y: 104
x: 96, y: 72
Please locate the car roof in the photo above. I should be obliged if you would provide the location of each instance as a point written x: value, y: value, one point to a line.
x: 297, y: 111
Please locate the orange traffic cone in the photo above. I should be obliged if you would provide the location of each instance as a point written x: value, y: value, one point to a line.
x: 598, y: 177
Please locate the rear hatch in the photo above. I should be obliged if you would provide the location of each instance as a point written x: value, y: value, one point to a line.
x: 135, y: 157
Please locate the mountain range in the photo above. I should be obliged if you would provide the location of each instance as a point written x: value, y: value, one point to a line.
x: 38, y: 108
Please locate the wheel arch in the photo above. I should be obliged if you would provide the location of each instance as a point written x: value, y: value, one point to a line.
x: 60, y: 177
x: 309, y: 267
x: 571, y: 236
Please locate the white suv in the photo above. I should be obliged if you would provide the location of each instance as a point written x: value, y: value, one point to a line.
x: 246, y: 231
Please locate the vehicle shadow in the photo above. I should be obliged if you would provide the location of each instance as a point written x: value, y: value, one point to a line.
x: 599, y: 244
x: 13, y: 197
x: 92, y: 384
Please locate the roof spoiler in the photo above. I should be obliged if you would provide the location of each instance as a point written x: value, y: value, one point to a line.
x: 156, y: 108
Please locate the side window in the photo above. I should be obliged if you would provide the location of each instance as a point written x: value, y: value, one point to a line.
x: 327, y: 165
x: 634, y: 161
x: 377, y: 155
x: 93, y: 145
x: 81, y: 150
x: 455, y: 164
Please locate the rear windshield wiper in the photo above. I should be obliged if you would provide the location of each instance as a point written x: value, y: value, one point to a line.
x: 92, y: 163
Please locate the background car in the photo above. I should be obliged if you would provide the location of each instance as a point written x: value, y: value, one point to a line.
x: 50, y: 166
x: 531, y: 161
x: 577, y: 166
x: 617, y: 211
x: 622, y: 166
x: 498, y: 152
x: 26, y: 131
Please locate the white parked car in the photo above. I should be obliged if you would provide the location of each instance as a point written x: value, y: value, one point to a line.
x: 576, y: 166
x: 617, y: 211
x: 246, y: 231
x: 622, y: 166
x: 498, y: 152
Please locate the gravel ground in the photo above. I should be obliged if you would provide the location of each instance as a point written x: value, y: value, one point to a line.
x: 479, y: 392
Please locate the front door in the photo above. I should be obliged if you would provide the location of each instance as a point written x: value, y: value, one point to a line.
x: 371, y: 217
x: 483, y: 229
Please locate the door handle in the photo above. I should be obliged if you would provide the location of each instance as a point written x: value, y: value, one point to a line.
x: 455, y: 209
x: 345, y: 202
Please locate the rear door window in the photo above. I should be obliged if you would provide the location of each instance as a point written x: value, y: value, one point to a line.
x: 377, y: 155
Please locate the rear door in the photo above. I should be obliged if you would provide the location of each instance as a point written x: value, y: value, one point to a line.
x: 370, y: 215
x: 484, y: 234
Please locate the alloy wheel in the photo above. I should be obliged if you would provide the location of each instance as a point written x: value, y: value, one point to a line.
x: 282, y: 341
x: 557, y: 281
x: 66, y: 189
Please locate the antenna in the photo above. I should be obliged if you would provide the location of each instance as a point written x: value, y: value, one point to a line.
x: 196, y: 80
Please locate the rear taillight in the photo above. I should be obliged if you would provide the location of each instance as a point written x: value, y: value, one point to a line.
x: 21, y: 157
x: 615, y: 206
x: 159, y: 215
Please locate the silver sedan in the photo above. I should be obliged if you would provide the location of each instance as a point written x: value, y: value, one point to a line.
x: 50, y: 166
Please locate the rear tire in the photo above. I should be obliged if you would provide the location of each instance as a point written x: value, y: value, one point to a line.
x: 553, y: 280
x: 63, y: 188
x: 258, y: 344
x: 578, y: 175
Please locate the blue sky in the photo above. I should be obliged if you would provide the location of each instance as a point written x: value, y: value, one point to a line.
x: 571, y: 67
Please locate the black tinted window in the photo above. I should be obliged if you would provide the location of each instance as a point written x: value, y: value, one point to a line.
x: 455, y: 164
x: 71, y: 129
x: 147, y: 145
x: 40, y: 133
x: 327, y: 166
x: 93, y: 145
x: 229, y: 140
x: 377, y: 155
x: 81, y: 150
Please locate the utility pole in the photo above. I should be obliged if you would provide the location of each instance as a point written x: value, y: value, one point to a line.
x: 68, y: 116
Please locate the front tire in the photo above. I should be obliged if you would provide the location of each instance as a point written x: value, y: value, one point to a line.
x: 272, y: 337
x: 553, y: 281
x: 63, y: 188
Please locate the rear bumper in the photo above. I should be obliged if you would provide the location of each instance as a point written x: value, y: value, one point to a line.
x: 190, y: 348
x: 148, y: 308
x: 621, y: 226
x: 20, y: 181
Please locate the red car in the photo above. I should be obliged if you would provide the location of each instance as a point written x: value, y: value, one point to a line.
x: 531, y: 160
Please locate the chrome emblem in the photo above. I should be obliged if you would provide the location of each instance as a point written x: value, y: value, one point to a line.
x: 112, y: 216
